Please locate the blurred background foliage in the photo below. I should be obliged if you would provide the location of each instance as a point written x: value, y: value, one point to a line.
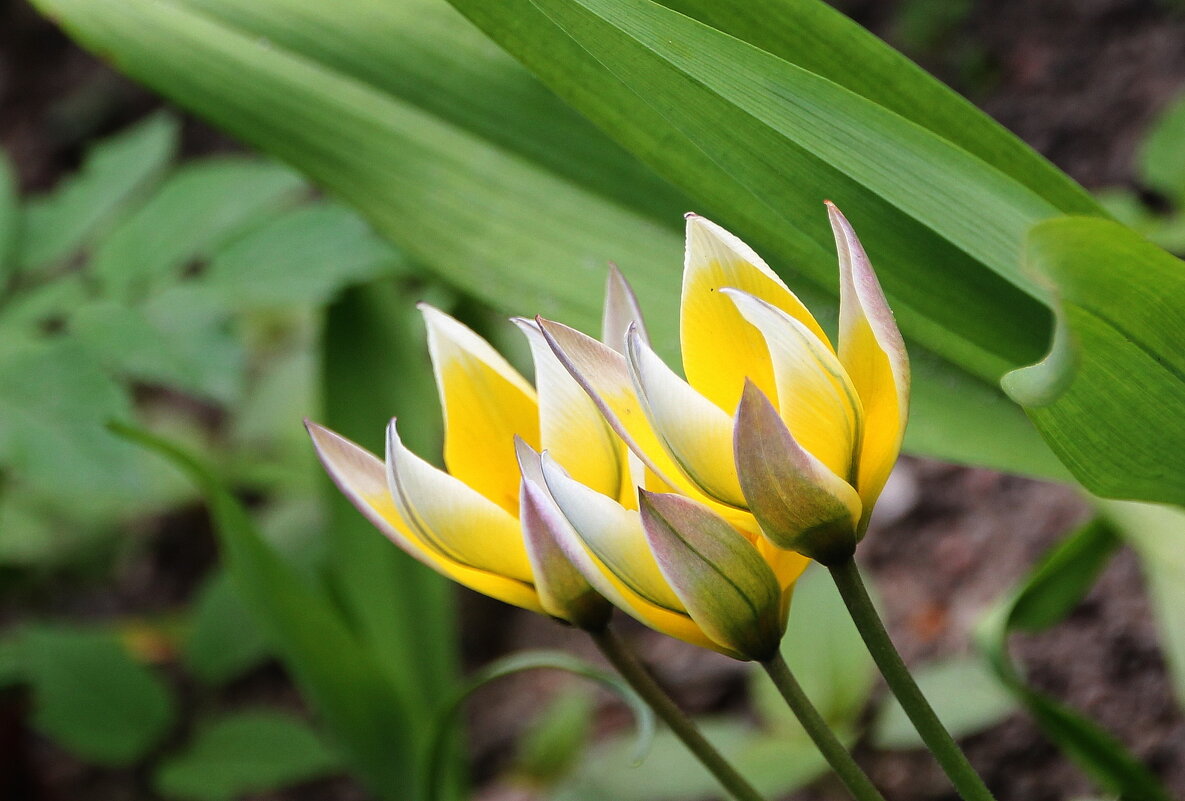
x: 217, y: 300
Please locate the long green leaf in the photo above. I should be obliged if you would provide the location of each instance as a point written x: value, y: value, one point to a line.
x: 1050, y: 592
x: 374, y: 367
x: 340, y: 677
x: 516, y: 208
x: 1109, y: 395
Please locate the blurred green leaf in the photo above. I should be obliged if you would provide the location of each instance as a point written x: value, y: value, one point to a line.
x: 1159, y: 159
x: 826, y: 654
x: 179, y: 338
x: 224, y: 640
x: 196, y: 210
x: 340, y: 677
x: 1156, y: 532
x: 517, y: 663
x: 964, y: 694
x: 304, y: 257
x: 1043, y: 598
x: 1107, y: 396
x: 245, y: 753
x: 776, y: 765
x: 116, y: 172
x: 557, y: 737
x: 450, y: 151
x: 9, y: 219
x: 56, y: 399
x: 92, y: 697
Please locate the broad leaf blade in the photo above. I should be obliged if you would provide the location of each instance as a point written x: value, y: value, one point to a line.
x: 1108, y: 396
x: 503, y: 222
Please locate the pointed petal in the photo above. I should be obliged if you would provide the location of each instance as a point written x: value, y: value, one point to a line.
x: 799, y: 503
x: 621, y: 311
x: 872, y: 351
x: 720, y: 350
x: 613, y: 533
x: 604, y: 376
x: 363, y: 479
x: 695, y: 432
x: 719, y: 576
x: 815, y: 398
x: 563, y: 591
x: 485, y: 403
x: 673, y: 622
x: 452, y: 518
x: 571, y: 427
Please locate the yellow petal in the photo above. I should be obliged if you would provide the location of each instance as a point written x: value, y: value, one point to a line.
x: 571, y: 427
x: 363, y: 479
x: 873, y: 353
x: 815, y: 397
x: 621, y: 312
x: 486, y: 403
x: 452, y: 518
x: 696, y: 432
x: 673, y: 622
x: 604, y: 376
x: 720, y: 350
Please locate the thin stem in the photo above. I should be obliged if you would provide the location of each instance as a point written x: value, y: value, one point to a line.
x: 640, y: 679
x: 921, y: 714
x: 853, y: 777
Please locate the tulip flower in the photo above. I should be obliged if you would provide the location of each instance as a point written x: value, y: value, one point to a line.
x: 477, y: 522
x: 773, y: 429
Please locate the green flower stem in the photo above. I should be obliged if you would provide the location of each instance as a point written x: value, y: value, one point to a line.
x: 853, y: 777
x: 619, y: 655
x: 897, y: 676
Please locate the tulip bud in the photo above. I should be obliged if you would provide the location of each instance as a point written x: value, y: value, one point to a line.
x: 724, y: 583
x: 798, y: 502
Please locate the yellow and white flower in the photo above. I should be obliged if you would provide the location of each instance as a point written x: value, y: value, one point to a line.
x: 772, y: 425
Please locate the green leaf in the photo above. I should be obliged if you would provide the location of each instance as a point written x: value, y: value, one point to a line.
x: 1107, y: 396
x: 245, y: 753
x: 9, y: 218
x: 776, y: 765
x: 224, y: 640
x: 116, y: 172
x: 56, y: 400
x: 1159, y: 158
x: 1046, y: 595
x: 92, y: 697
x: 762, y: 141
x: 179, y: 338
x: 1155, y: 532
x: 964, y: 694
x: 305, y: 257
x: 198, y: 209
x: 557, y: 737
x: 335, y: 672
x: 451, y: 151
x: 537, y: 660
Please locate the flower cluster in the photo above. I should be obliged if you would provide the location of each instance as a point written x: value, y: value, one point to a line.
x: 692, y: 503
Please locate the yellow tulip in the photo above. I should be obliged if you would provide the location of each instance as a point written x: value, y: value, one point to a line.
x: 773, y: 429
x: 478, y: 522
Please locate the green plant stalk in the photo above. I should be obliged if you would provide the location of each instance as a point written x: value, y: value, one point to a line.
x: 897, y: 676
x: 851, y: 774
x: 620, y: 656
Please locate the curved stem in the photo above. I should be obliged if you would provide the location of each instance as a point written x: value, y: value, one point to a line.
x: 853, y: 777
x: 640, y: 679
x: 897, y: 676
